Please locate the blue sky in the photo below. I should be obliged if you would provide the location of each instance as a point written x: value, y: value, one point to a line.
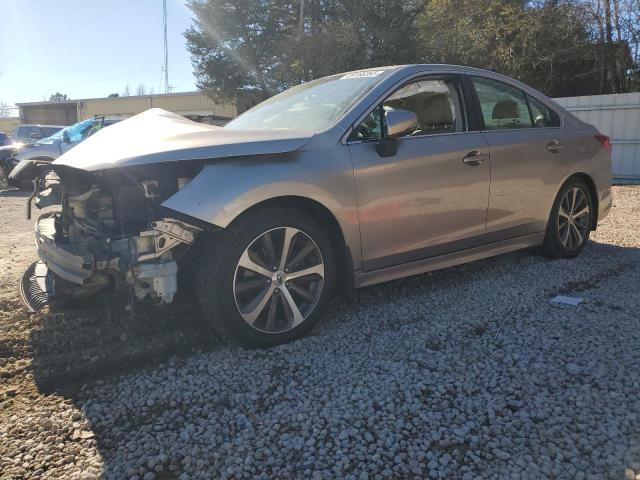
x: 88, y: 48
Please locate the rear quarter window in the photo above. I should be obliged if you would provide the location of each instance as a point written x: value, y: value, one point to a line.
x: 543, y: 116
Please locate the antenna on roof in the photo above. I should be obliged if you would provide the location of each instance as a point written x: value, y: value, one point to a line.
x: 166, y: 50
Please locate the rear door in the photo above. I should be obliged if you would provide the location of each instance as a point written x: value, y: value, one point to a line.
x: 529, y: 151
x: 430, y: 197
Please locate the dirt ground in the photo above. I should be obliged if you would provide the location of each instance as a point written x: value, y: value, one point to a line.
x: 48, y: 359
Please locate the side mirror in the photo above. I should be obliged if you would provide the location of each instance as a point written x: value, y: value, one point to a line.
x: 399, y: 122
x: 65, y: 137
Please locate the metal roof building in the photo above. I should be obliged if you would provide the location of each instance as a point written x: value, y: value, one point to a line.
x: 195, y: 105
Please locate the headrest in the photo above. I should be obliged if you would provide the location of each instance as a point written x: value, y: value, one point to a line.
x: 505, y: 109
x: 436, y: 110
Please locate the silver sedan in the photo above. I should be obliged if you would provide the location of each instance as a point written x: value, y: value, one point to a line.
x: 338, y: 183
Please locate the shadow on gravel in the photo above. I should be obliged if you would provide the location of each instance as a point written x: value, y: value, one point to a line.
x: 83, y: 341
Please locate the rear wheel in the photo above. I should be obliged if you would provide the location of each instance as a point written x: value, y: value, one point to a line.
x: 570, y: 221
x: 266, y: 279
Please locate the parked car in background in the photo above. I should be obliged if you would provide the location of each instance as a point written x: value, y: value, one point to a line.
x: 50, y: 148
x: 340, y: 182
x: 4, y: 139
x: 33, y: 133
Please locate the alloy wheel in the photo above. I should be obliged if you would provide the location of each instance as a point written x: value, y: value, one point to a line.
x: 574, y: 218
x: 278, y: 280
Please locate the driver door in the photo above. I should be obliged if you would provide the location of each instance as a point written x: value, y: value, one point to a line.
x: 431, y: 197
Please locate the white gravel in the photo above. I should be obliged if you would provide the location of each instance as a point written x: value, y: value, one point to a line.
x: 466, y: 373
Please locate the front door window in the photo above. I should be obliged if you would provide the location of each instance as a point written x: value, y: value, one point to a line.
x: 436, y: 104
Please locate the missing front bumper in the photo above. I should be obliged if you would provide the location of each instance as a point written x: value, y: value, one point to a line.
x: 143, y: 264
x: 68, y: 262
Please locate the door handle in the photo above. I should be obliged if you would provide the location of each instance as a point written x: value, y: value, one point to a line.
x: 474, y: 158
x: 554, y: 146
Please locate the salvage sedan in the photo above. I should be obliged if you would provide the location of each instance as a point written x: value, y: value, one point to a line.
x: 335, y: 184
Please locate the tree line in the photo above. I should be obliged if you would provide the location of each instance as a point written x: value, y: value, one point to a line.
x: 561, y: 47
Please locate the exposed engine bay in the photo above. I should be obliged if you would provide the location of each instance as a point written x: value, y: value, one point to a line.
x: 110, y: 231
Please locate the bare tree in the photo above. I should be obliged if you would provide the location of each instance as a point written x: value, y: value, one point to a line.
x: 141, y: 89
x: 616, y: 30
x: 126, y: 92
x: 5, y: 111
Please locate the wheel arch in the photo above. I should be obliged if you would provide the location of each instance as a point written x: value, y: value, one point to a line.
x: 593, y: 191
x: 326, y: 219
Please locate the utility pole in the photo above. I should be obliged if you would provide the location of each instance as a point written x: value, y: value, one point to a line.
x: 166, y: 49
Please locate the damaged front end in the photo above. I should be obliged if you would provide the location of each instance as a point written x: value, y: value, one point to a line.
x: 108, y: 229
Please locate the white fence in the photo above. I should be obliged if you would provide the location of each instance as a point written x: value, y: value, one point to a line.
x: 617, y: 116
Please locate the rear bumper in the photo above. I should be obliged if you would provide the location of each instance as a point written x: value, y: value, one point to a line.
x: 605, y: 203
x: 602, y: 180
x: 67, y: 261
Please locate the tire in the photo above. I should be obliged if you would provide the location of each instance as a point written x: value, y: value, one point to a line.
x: 4, y: 177
x: 227, y: 291
x: 568, y: 229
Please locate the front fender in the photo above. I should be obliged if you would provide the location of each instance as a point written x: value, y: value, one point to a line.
x: 224, y: 190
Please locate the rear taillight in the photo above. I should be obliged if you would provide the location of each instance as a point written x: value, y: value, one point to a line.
x: 604, y: 141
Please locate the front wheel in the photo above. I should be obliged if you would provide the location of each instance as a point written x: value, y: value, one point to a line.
x: 570, y: 221
x: 267, y: 278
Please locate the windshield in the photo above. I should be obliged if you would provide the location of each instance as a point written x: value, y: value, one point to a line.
x: 312, y: 106
x: 77, y: 132
x: 48, y: 131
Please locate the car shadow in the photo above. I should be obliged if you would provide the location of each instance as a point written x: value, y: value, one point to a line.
x: 88, y: 339
x: 96, y: 341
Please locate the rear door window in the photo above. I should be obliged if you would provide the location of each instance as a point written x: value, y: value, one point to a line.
x: 503, y: 107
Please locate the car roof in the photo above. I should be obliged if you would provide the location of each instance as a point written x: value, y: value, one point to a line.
x: 427, y: 66
x: 418, y: 68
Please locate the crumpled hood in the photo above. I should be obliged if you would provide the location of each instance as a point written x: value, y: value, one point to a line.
x: 157, y: 135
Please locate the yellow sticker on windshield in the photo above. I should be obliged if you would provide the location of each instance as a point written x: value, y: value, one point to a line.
x: 364, y: 74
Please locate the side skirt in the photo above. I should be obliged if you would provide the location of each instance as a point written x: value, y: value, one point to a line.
x: 363, y: 279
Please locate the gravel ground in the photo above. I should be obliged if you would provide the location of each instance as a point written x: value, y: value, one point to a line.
x: 465, y: 373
